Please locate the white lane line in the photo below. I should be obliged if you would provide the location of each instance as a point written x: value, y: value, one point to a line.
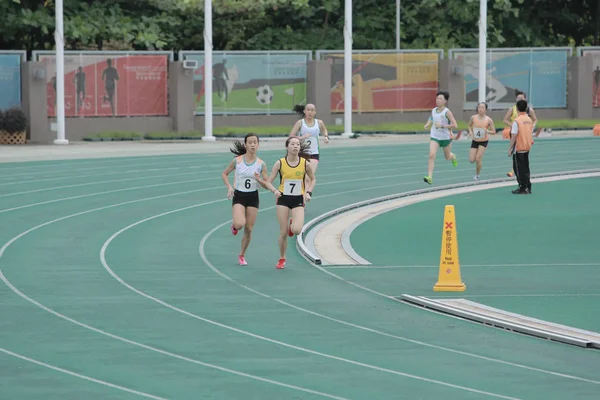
x: 80, y: 376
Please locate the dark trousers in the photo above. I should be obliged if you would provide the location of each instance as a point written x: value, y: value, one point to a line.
x: 521, y: 167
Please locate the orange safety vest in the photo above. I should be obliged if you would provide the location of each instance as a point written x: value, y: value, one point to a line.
x: 524, y: 136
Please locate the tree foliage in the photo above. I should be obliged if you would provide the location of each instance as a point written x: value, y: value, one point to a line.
x: 295, y: 24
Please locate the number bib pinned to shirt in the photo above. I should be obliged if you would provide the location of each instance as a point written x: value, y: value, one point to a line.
x: 292, y: 187
x: 246, y: 184
x: 313, y: 143
x: 478, y: 133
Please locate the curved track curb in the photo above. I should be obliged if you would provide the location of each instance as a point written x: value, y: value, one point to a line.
x: 305, y: 241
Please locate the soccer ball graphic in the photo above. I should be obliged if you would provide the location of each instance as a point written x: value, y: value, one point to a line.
x: 264, y: 94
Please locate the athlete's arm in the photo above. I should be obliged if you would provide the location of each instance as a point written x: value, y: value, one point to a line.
x: 311, y: 175
x: 491, y: 126
x: 225, y: 176
x: 296, y: 128
x: 471, y: 126
x: 453, y: 123
x: 271, y: 178
x: 323, y: 129
x: 428, y: 124
x: 532, y: 116
x: 264, y: 179
x: 311, y: 182
x: 506, y: 119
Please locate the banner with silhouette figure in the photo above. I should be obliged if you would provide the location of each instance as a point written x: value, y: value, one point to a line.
x: 385, y: 82
x: 252, y: 82
x: 541, y: 74
x: 110, y: 85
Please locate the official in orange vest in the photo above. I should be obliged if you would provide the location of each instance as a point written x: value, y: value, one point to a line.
x: 520, y: 144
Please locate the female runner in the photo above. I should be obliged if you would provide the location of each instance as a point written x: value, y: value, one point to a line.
x: 480, y: 126
x: 308, y: 129
x: 245, y: 200
x: 293, y: 193
x: 441, y: 121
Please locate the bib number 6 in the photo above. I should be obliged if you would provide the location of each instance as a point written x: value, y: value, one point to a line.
x: 249, y: 184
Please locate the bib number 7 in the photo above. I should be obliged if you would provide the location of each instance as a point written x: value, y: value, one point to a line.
x: 292, y: 187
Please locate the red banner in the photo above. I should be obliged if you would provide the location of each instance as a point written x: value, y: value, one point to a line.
x: 104, y: 86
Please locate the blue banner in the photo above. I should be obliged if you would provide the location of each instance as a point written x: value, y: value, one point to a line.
x: 10, y: 80
x: 540, y: 74
x: 252, y: 83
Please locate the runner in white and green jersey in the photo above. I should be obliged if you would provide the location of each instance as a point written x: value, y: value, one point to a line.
x: 441, y: 121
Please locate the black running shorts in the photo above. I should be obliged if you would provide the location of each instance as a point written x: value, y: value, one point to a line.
x: 290, y: 202
x: 246, y: 199
x: 475, y: 145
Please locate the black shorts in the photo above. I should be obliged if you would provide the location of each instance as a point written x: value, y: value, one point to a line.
x: 475, y: 145
x: 246, y: 199
x: 290, y: 202
x: 314, y: 157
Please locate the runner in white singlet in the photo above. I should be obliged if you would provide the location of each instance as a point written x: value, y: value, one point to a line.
x: 309, y: 129
x: 441, y: 121
x: 244, y: 193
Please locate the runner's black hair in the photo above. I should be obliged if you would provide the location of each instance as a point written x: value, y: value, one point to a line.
x: 239, y: 148
x: 299, y: 109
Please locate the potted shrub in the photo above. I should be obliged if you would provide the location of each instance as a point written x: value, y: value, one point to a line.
x: 1, y: 121
x: 14, y: 126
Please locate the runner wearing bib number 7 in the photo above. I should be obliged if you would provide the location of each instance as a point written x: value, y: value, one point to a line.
x: 480, y: 126
x: 308, y: 129
x: 244, y: 193
x: 292, y: 193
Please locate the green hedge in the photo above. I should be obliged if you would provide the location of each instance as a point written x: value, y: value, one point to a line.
x: 275, y: 131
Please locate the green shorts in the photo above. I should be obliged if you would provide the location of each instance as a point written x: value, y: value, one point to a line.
x: 442, y: 143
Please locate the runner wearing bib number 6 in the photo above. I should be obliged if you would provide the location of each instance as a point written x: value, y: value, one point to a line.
x: 480, y: 126
x: 308, y: 129
x: 244, y: 195
x: 292, y: 193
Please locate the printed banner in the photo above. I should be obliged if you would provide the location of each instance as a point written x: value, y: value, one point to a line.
x: 542, y: 75
x: 595, y: 75
x: 252, y: 83
x: 385, y: 82
x: 10, y: 80
x: 110, y: 85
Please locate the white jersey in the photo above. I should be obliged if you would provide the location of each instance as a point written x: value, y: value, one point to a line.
x: 244, y: 174
x: 313, y: 140
x: 441, y: 117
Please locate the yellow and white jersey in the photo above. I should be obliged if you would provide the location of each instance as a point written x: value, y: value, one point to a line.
x: 292, y: 177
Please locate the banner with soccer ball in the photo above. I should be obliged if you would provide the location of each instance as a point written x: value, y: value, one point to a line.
x: 252, y: 82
